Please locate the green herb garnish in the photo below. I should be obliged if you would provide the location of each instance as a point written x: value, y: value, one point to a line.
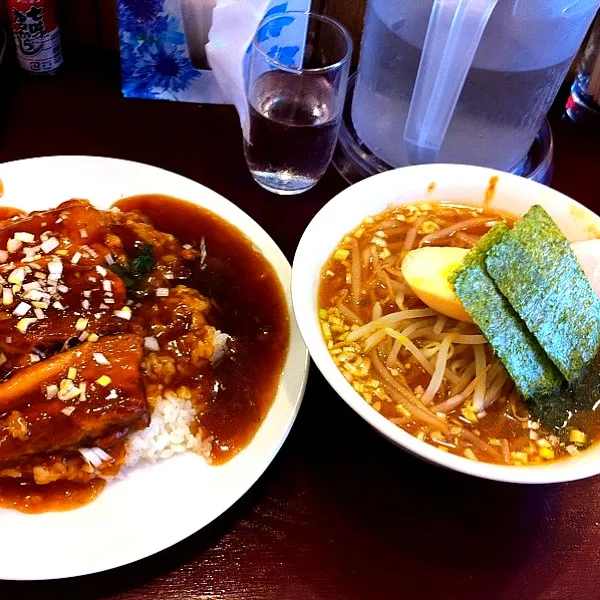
x: 143, y: 262
x: 139, y: 265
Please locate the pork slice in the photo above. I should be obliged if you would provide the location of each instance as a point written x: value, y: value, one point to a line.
x: 84, y: 299
x: 72, y: 223
x: 111, y: 400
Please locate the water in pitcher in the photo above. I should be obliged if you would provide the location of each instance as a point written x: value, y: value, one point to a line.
x: 499, y: 110
x: 293, y: 130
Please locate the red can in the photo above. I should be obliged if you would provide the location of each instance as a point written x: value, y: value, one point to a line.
x: 37, y: 37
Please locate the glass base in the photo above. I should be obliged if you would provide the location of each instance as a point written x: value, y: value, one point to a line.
x: 355, y: 161
x: 283, y: 184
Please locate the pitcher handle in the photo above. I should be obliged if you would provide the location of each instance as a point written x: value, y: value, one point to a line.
x: 453, y: 34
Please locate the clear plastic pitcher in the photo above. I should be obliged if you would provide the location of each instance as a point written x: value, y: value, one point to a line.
x: 488, y: 72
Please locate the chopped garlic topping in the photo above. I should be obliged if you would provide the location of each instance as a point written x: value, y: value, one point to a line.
x: 22, y: 309
x: 55, y: 267
x: 7, y: 296
x: 24, y: 236
x: 100, y: 359
x: 124, y: 313
x: 151, y: 343
x: 68, y: 394
x: 17, y: 276
x: 13, y: 245
x: 48, y: 245
x: 23, y: 324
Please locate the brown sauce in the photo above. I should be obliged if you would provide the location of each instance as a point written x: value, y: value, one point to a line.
x: 250, y: 306
x: 237, y: 392
x: 58, y: 496
x: 7, y: 212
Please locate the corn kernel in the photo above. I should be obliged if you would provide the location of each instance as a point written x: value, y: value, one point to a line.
x: 469, y: 414
x: 522, y: 456
x: 326, y: 330
x: 104, y: 380
x: 470, y: 454
x: 341, y: 254
x: 402, y: 410
x: 577, y: 437
x: 547, y: 453
x: 428, y: 227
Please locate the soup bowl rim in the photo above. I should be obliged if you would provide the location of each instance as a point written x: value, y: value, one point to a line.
x: 459, y: 184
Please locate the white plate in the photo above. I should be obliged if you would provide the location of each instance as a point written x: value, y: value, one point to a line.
x: 155, y: 506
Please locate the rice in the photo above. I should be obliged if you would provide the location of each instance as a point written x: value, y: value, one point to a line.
x: 169, y: 432
x: 170, y: 428
x: 220, y: 345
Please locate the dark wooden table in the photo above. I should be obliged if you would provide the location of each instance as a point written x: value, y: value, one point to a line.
x: 341, y: 513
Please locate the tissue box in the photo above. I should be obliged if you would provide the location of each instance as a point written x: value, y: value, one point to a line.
x: 162, y: 48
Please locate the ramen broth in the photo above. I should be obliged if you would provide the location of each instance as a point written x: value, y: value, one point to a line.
x: 475, y: 410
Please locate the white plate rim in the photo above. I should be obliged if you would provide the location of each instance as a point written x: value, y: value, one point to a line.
x: 295, y: 373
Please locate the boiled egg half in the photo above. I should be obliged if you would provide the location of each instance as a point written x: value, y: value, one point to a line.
x: 426, y: 271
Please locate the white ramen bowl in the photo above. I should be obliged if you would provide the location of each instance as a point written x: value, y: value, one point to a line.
x: 429, y: 183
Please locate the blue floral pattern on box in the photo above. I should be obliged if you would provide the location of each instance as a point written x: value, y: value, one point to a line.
x: 155, y: 61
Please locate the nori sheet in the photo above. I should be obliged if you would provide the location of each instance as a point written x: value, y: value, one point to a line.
x: 524, y: 359
x: 534, y: 267
x: 557, y: 411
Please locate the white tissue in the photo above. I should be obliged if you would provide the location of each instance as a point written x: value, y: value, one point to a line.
x: 234, y: 24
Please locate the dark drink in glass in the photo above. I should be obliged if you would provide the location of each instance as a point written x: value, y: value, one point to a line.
x: 295, y: 100
x: 293, y: 130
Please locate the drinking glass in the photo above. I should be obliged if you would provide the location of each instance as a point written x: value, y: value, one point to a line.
x: 296, y: 87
